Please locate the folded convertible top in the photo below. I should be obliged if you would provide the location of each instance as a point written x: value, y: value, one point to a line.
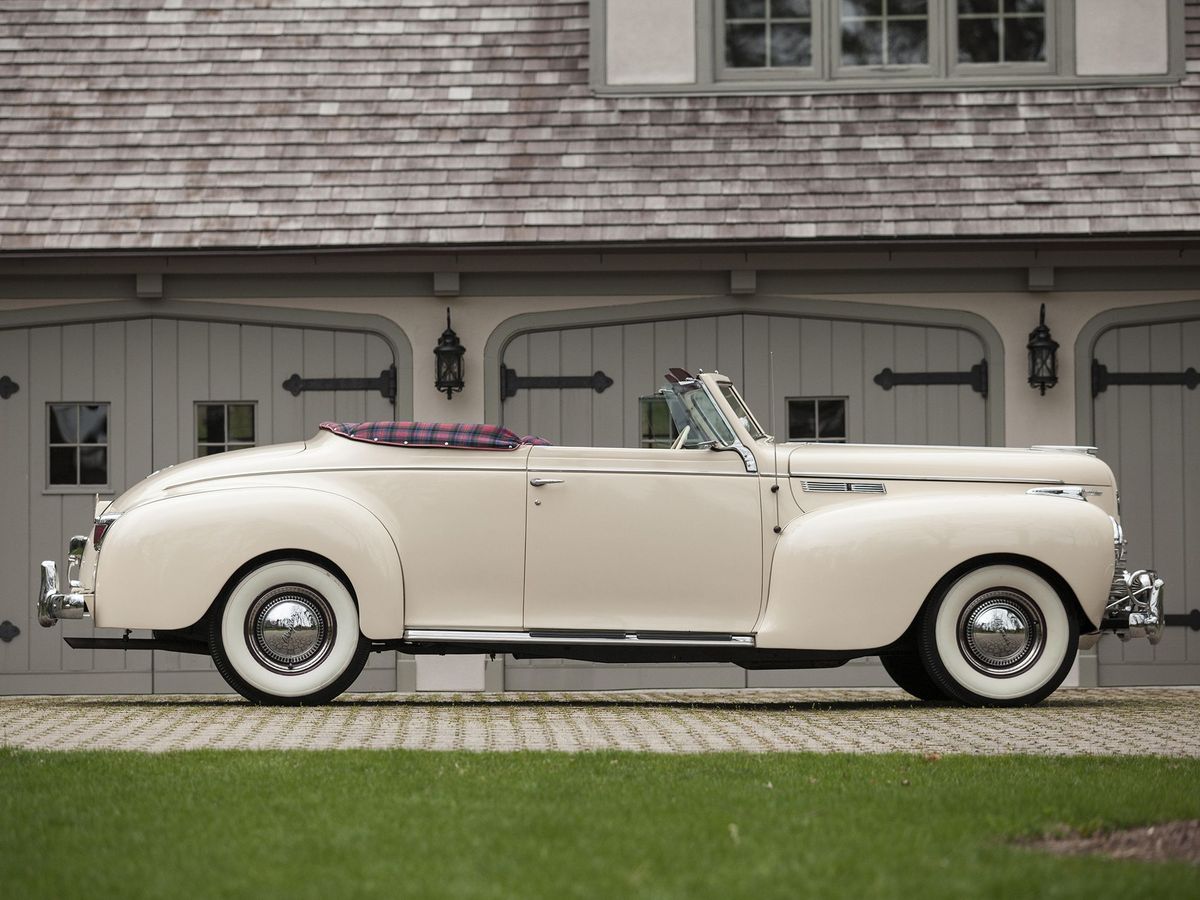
x: 455, y: 435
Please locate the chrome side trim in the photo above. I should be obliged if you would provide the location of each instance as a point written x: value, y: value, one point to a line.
x: 644, y: 638
x: 1067, y: 448
x: 966, y: 479
x: 1072, y: 491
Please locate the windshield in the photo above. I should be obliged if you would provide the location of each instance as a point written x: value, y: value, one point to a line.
x: 729, y: 392
x: 696, y: 417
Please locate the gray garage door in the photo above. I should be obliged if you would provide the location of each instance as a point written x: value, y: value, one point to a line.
x: 815, y: 361
x: 1150, y: 435
x: 99, y: 407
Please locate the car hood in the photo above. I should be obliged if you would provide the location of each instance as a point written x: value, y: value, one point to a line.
x: 256, y: 460
x: 884, y: 461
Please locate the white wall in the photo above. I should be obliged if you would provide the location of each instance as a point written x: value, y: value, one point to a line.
x: 650, y: 42
x: 1121, y: 37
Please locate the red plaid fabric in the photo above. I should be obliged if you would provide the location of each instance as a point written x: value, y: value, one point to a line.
x: 432, y: 434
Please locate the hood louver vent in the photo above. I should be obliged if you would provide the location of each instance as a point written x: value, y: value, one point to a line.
x: 843, y: 487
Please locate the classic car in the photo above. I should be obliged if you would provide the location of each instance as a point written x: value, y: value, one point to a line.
x: 974, y: 574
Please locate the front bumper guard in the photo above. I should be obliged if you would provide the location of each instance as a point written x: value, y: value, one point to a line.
x: 1135, y: 606
x: 52, y: 605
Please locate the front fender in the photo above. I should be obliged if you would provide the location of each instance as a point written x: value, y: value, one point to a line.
x: 854, y: 576
x: 164, y: 562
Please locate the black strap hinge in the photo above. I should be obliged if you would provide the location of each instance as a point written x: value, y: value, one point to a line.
x: 976, y: 378
x: 511, y: 382
x: 1102, y: 378
x: 385, y: 384
x: 1184, y: 620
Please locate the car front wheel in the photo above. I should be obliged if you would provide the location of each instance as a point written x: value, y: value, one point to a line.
x: 287, y: 634
x: 998, y: 635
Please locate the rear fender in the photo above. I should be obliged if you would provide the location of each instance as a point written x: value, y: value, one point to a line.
x: 164, y: 563
x: 854, y: 576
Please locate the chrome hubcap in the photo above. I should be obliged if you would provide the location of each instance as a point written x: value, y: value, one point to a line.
x: 1001, y: 632
x: 290, y: 629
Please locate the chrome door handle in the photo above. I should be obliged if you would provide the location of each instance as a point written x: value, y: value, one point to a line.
x: 538, y: 482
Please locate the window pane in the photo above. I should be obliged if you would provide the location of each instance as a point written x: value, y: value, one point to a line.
x: 1024, y: 39
x: 746, y: 46
x: 966, y: 7
x: 833, y: 418
x: 745, y: 9
x: 978, y: 41
x: 1026, y: 6
x: 791, y: 45
x: 802, y: 419
x: 64, y: 421
x: 241, y: 422
x: 859, y: 8
x: 93, y: 424
x: 210, y: 422
x: 862, y: 43
x: 791, y: 9
x: 63, y: 469
x: 908, y: 42
x: 907, y: 7
x: 210, y: 450
x: 93, y: 465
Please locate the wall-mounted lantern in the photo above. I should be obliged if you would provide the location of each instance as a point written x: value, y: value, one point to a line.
x: 449, y: 353
x: 1043, y: 356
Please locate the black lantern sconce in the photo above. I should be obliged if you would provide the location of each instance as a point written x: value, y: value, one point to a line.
x: 1043, y: 356
x: 449, y: 353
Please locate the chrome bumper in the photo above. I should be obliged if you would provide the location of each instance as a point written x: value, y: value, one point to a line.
x: 51, y: 605
x: 1135, y: 606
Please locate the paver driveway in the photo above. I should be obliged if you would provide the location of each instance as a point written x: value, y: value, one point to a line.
x: 1160, y: 721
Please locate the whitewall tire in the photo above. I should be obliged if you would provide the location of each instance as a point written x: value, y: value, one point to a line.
x: 999, y: 635
x: 287, y: 633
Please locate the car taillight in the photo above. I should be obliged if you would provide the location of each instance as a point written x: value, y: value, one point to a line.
x: 100, y: 529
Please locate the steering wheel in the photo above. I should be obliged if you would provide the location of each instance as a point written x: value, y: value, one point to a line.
x: 682, y: 437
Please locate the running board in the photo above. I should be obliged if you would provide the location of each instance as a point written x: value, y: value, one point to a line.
x: 128, y: 643
x: 577, y: 638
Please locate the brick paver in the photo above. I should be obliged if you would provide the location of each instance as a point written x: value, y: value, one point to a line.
x: 1122, y: 721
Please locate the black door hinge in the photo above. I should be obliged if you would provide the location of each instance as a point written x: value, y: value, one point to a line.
x: 511, y: 382
x: 385, y: 384
x: 1102, y: 378
x: 976, y: 378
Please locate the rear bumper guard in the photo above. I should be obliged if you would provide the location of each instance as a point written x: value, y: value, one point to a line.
x: 52, y: 605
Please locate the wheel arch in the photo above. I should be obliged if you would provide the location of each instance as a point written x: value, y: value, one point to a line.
x: 822, y: 597
x: 1037, y: 566
x: 165, y: 565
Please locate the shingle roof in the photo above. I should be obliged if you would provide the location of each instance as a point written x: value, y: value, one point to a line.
x: 228, y: 123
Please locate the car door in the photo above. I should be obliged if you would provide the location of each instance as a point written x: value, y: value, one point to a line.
x: 642, y: 539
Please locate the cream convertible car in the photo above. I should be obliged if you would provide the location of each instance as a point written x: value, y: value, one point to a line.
x: 974, y: 574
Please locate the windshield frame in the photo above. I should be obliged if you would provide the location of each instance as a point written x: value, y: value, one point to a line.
x: 704, y: 412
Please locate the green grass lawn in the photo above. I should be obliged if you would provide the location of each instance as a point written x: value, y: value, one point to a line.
x: 420, y: 824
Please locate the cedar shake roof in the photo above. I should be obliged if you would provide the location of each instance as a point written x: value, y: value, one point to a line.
x: 171, y: 124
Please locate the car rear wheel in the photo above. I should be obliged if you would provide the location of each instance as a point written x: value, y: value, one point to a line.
x: 906, y: 670
x: 287, y: 634
x: 998, y: 635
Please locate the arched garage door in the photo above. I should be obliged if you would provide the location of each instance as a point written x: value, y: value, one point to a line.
x: 824, y: 385
x: 1147, y: 426
x: 98, y: 407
